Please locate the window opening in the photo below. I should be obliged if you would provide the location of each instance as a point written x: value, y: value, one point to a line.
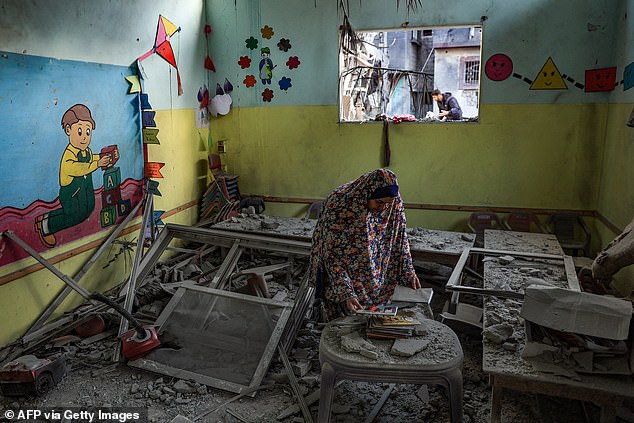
x: 392, y: 72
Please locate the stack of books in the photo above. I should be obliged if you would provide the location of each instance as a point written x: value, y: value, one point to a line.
x: 390, y: 327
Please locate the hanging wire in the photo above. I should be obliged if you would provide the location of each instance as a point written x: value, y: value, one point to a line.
x: 349, y: 39
x: 412, y: 5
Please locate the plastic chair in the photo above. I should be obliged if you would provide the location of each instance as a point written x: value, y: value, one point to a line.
x: 479, y: 221
x: 227, y: 182
x: 571, y: 232
x: 423, y: 368
x: 522, y: 221
x: 314, y: 209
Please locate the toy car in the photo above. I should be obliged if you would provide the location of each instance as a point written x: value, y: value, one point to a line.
x: 29, y: 375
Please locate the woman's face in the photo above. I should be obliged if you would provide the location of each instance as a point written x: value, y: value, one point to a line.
x: 377, y: 205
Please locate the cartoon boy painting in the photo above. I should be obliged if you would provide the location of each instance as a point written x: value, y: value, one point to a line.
x: 76, y: 192
x: 266, y: 66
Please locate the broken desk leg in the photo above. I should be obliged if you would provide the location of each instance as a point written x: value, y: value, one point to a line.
x: 308, y: 418
x: 496, y: 402
x: 377, y: 408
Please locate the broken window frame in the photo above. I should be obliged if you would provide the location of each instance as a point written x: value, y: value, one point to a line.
x: 235, y: 242
x: 222, y: 238
x: 265, y: 359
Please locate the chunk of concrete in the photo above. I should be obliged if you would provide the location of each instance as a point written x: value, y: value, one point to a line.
x: 408, y: 347
x: 577, y: 312
x: 301, y: 367
x: 353, y: 342
x: 372, y: 355
x: 498, y: 334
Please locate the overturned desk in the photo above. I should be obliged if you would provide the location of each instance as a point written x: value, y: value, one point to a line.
x: 442, y: 247
x: 508, y: 370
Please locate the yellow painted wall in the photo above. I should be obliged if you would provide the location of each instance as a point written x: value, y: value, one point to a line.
x: 23, y: 300
x: 535, y: 156
x: 184, y: 150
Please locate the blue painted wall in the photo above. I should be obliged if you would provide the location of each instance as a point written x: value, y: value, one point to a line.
x: 577, y: 34
x: 35, y: 93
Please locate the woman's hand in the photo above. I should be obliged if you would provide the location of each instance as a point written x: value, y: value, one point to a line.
x: 353, y: 304
x: 415, y: 283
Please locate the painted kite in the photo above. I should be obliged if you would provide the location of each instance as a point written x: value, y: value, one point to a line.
x: 164, y: 30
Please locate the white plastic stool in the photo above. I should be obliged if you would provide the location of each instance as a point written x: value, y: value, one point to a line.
x: 440, y: 363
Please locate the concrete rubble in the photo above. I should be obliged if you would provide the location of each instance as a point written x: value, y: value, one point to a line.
x: 93, y: 380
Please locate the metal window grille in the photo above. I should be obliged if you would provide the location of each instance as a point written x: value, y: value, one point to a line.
x: 472, y: 72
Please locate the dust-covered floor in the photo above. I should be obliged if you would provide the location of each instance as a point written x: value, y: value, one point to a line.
x: 93, y: 380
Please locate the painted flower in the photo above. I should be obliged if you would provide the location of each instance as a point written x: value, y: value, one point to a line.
x: 252, y: 43
x: 267, y: 32
x: 292, y: 62
x: 267, y: 95
x: 244, y: 62
x: 249, y: 81
x: 285, y: 83
x: 284, y: 44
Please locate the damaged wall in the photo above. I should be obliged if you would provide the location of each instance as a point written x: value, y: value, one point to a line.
x: 532, y: 148
x: 114, y: 32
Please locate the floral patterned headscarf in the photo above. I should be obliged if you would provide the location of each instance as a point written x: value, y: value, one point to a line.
x: 362, y: 253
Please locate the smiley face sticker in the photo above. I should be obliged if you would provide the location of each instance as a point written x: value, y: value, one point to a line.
x: 498, y: 67
x: 549, y: 78
x: 600, y: 79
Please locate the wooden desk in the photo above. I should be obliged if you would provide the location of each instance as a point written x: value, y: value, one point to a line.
x: 287, y: 227
x: 508, y: 369
x: 442, y: 247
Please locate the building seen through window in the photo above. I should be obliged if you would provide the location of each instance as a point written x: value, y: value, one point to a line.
x: 393, y: 72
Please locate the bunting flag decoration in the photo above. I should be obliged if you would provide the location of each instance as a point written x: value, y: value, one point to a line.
x: 152, y: 170
x: 156, y: 216
x: 147, y: 118
x: 153, y: 188
x: 162, y: 46
x: 150, y: 136
x: 135, y: 84
x: 145, y: 102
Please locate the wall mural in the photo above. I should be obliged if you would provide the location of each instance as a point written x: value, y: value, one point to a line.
x: 499, y: 67
x: 266, y: 72
x: 72, y: 152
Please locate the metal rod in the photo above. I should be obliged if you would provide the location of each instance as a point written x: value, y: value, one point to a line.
x: 293, y: 381
x: 67, y: 280
x: 67, y: 289
x: 377, y: 408
x: 129, y: 299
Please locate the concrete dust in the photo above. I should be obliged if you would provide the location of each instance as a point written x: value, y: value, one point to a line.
x: 93, y: 380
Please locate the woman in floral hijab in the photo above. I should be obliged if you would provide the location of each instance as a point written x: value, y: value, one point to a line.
x: 360, y: 250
